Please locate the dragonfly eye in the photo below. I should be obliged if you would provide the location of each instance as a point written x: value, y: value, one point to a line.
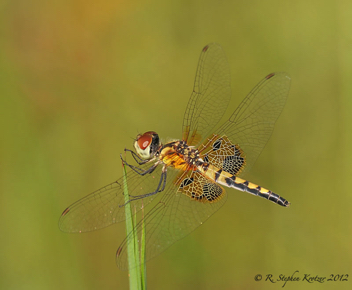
x: 144, y: 141
x: 147, y: 144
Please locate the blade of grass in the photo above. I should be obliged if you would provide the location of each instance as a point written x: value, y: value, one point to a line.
x: 137, y: 278
x: 142, y: 252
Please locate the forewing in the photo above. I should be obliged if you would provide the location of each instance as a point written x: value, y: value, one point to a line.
x: 252, y: 124
x: 105, y: 206
x: 210, y: 97
x: 176, y: 215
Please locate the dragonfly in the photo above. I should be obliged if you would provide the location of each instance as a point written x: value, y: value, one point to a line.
x: 182, y: 181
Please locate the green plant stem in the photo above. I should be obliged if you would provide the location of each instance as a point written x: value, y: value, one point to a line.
x: 136, y: 261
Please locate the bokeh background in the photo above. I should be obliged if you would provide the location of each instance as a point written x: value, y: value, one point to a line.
x: 79, y: 79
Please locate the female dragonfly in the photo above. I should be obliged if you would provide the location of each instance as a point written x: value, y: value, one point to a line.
x: 185, y: 178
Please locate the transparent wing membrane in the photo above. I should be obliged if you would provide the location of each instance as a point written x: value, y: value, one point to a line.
x: 105, y: 206
x: 174, y: 217
x: 210, y: 97
x: 252, y: 123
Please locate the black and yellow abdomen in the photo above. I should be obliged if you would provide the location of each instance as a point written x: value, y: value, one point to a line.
x: 224, y: 178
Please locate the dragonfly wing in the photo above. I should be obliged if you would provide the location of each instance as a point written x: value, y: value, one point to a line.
x: 177, y: 214
x: 252, y: 123
x: 105, y: 206
x: 223, y: 154
x: 210, y: 97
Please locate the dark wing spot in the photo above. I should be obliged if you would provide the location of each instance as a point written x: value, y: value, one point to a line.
x: 65, y: 211
x: 233, y: 164
x: 269, y: 76
x: 186, y: 182
x: 206, y: 159
x: 118, y: 252
x: 217, y: 144
x: 211, y: 191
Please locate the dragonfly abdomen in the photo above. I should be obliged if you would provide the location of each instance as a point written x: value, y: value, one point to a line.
x: 255, y: 189
x: 224, y: 178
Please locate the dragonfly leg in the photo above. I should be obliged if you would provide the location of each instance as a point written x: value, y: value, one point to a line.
x: 138, y: 159
x: 139, y: 170
x: 160, y: 188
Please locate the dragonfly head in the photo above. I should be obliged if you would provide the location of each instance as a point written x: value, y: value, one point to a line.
x: 147, y: 144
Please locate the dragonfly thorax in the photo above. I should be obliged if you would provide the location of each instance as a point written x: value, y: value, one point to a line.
x: 189, y: 154
x: 179, y: 155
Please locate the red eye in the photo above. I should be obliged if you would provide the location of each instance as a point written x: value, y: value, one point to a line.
x: 144, y: 140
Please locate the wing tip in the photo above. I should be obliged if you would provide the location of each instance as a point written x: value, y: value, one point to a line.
x: 283, y: 74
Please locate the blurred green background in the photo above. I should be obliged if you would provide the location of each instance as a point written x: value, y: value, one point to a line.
x: 79, y: 79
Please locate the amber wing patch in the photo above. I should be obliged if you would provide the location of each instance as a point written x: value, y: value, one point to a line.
x: 223, y: 154
x: 199, y: 188
x: 191, y: 139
